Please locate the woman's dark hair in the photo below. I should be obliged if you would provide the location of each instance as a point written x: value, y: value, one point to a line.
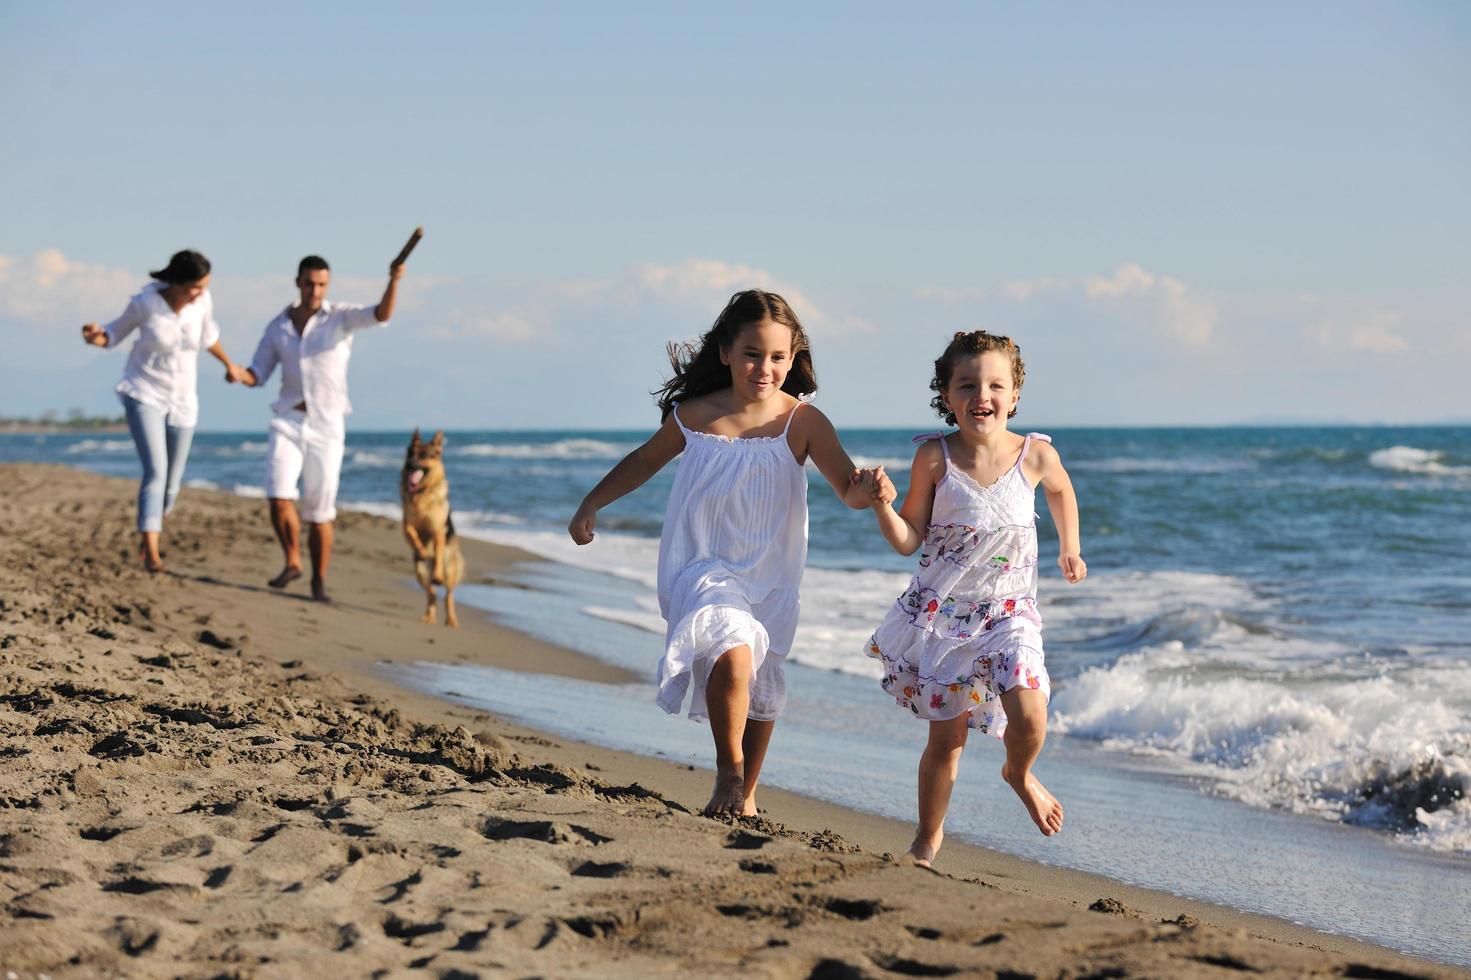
x: 975, y: 342
x: 698, y: 371
x: 185, y: 266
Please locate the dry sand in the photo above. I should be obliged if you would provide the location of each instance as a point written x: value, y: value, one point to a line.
x: 202, y: 777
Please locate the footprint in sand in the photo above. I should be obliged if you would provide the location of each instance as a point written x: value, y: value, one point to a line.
x: 752, y: 866
x: 551, y: 832
x: 859, y: 909
x: 740, y: 840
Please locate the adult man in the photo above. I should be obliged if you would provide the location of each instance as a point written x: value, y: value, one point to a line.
x: 311, y: 341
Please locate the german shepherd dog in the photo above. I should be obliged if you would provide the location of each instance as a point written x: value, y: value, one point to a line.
x: 427, y: 525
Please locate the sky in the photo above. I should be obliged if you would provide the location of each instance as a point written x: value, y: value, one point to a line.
x: 1185, y: 214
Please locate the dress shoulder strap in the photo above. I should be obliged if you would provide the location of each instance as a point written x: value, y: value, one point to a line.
x: 679, y: 421
x: 936, y: 437
x: 1027, y: 444
x: 793, y: 414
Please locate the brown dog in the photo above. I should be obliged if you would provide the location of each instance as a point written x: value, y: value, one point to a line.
x: 424, y: 490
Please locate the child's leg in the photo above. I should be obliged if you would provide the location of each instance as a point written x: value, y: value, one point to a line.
x: 728, y: 699
x: 1026, y: 730
x: 757, y: 738
x: 938, y: 768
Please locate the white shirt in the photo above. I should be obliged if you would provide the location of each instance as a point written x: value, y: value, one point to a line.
x: 162, y: 369
x: 313, y: 362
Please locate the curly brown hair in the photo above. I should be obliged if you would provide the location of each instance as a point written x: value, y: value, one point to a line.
x: 697, y: 368
x: 975, y: 342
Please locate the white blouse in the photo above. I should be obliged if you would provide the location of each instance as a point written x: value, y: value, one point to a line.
x: 162, y: 369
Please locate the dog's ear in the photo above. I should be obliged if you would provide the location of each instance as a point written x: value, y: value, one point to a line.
x: 415, y: 440
x: 438, y: 441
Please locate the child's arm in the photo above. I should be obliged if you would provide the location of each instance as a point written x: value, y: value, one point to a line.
x: 905, y: 530
x: 832, y: 460
x: 631, y: 472
x: 1063, y: 505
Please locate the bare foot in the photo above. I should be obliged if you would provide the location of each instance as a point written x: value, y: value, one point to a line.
x: 729, y: 796
x: 1043, y: 807
x: 151, y: 563
x: 748, y: 806
x: 319, y: 590
x: 923, y: 852
x: 288, y: 575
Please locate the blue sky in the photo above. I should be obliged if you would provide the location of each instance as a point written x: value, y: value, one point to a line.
x: 1186, y: 214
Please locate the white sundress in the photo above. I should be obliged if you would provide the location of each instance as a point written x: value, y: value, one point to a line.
x: 967, y: 630
x: 730, y: 561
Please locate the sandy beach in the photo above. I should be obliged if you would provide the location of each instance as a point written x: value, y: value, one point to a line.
x: 200, y: 776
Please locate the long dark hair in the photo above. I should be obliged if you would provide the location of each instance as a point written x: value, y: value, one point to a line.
x: 697, y: 369
x: 183, y: 267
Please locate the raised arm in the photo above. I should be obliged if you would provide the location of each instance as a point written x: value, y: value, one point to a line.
x: 384, y: 310
x: 1062, y: 503
x: 630, y: 473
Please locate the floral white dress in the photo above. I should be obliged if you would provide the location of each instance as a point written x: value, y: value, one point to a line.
x: 967, y: 630
x: 730, y: 560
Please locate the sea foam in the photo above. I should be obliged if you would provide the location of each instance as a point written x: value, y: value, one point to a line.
x: 1409, y: 459
x: 1391, y: 749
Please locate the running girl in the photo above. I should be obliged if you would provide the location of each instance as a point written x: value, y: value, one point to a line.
x: 962, y: 647
x: 735, y: 532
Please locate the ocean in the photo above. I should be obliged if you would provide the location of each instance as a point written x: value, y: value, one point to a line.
x: 1262, y: 692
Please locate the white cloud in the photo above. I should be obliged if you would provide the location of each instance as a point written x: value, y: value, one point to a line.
x: 709, y: 284
x: 1020, y: 292
x: 48, y: 288
x: 1373, y: 333
x: 1163, y: 302
x: 701, y: 287
x: 481, y: 323
x: 1176, y: 314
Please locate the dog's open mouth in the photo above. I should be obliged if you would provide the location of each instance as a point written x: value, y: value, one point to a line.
x: 415, y: 481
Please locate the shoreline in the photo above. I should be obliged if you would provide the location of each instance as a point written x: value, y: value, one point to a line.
x: 222, y: 550
x: 43, y: 429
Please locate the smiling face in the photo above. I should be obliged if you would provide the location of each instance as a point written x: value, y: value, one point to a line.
x: 181, y: 294
x: 759, y: 359
x: 982, y: 391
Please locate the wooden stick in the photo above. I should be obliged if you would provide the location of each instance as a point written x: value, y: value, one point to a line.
x: 409, y: 246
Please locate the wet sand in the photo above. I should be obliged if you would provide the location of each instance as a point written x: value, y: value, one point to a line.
x: 201, y: 776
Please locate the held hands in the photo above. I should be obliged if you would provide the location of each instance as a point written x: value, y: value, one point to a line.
x: 94, y: 335
x: 876, y: 484
x: 234, y: 373
x: 582, y: 523
x: 1074, y: 569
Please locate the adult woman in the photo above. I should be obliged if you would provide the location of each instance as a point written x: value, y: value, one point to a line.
x: 174, y: 318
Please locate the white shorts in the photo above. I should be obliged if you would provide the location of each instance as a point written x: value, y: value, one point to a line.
x: 298, y: 448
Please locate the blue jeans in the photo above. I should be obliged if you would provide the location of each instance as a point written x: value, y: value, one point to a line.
x: 162, y: 448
